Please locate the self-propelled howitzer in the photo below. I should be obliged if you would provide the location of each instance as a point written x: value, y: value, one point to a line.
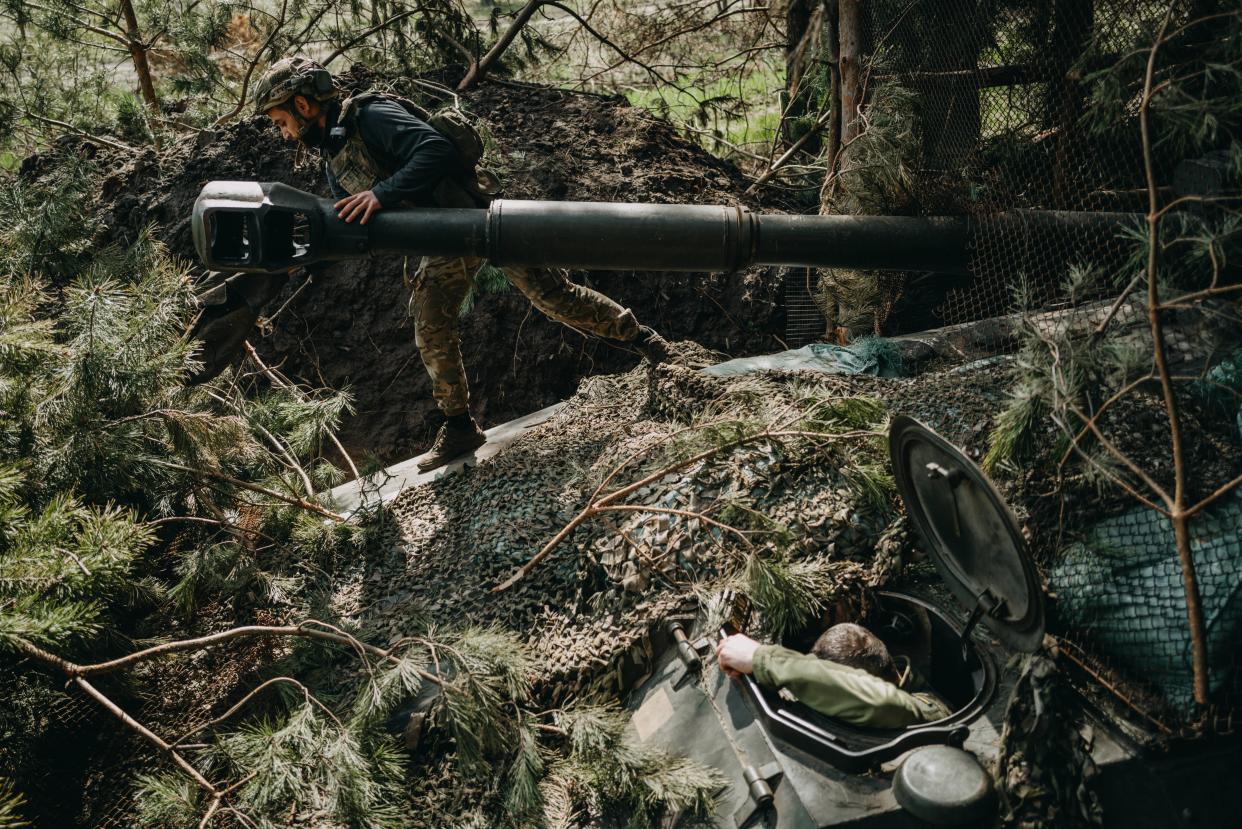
x: 252, y: 226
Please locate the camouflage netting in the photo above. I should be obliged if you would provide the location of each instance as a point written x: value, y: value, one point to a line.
x: 1123, y: 591
x: 609, y: 583
x: 823, y: 512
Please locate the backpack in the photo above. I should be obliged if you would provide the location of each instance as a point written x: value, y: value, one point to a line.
x: 451, y: 122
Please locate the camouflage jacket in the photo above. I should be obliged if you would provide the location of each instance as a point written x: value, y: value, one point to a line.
x: 848, y: 694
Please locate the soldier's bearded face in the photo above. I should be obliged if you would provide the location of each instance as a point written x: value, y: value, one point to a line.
x: 290, y: 129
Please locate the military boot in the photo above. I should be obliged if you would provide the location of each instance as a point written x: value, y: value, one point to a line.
x: 459, y: 435
x: 651, y: 345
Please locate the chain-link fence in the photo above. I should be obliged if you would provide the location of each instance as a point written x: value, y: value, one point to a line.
x: 1026, y: 116
x: 1000, y: 111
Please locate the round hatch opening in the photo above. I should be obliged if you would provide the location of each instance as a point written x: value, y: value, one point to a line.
x: 961, y: 674
x: 969, y: 532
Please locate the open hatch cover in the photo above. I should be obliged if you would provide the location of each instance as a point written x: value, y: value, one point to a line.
x: 970, y: 533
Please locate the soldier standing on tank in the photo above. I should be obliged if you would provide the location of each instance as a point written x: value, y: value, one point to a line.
x: 376, y: 155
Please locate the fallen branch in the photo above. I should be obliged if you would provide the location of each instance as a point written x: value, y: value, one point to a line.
x: 147, y: 734
x: 683, y: 513
x: 254, y: 692
x: 1066, y: 648
x: 1177, y: 509
x: 303, y: 629
x: 308, y: 629
x: 820, y: 122
x: 70, y: 128
x: 220, y: 477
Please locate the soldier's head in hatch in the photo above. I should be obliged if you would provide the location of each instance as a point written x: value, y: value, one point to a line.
x: 294, y: 93
x: 857, y: 647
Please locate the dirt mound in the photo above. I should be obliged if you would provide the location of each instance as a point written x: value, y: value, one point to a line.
x: 350, y: 328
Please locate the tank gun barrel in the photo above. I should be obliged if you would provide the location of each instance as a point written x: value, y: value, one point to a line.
x: 252, y: 226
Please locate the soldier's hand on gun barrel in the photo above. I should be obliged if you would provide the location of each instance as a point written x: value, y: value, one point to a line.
x: 364, y: 204
x: 737, y: 654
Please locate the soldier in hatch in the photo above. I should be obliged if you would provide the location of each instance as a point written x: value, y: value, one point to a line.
x: 849, y: 674
x: 379, y: 155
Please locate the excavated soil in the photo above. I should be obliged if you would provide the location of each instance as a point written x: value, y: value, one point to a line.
x: 350, y: 327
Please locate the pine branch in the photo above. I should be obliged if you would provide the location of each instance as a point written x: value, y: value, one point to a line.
x: 282, y: 383
x: 220, y: 477
x: 306, y: 629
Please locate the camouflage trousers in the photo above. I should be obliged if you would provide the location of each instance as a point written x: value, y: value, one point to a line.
x: 440, y: 286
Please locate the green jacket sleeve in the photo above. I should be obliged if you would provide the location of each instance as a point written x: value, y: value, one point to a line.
x: 848, y: 694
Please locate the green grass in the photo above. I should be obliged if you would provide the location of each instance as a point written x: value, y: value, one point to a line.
x: 752, y: 127
x: 740, y: 104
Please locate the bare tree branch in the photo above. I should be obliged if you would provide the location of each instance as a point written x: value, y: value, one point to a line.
x: 292, y: 500
x: 1178, y: 513
x: 479, y: 69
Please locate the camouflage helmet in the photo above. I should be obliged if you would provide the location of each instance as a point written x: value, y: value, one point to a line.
x: 292, y: 76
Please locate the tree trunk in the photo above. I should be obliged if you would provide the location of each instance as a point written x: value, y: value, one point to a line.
x: 797, y: 21
x: 840, y: 16
x: 852, y: 22
x: 832, y: 43
x: 138, y: 52
x: 1071, y: 32
x: 480, y: 69
x: 1194, y: 609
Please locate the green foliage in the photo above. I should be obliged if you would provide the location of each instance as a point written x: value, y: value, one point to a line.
x: 131, y: 120
x: 523, y: 798
x: 68, y: 548
x: 309, y: 762
x: 1012, y: 440
x: 10, y: 803
x: 381, y: 691
x: 1197, y: 85
x: 787, y: 592
x: 608, y: 772
x: 44, y: 230
x: 487, y: 280
x: 873, y: 479
x: 102, y: 442
x: 169, y: 800
x: 69, y: 67
x: 879, y: 171
x: 827, y: 412
x: 62, y: 566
